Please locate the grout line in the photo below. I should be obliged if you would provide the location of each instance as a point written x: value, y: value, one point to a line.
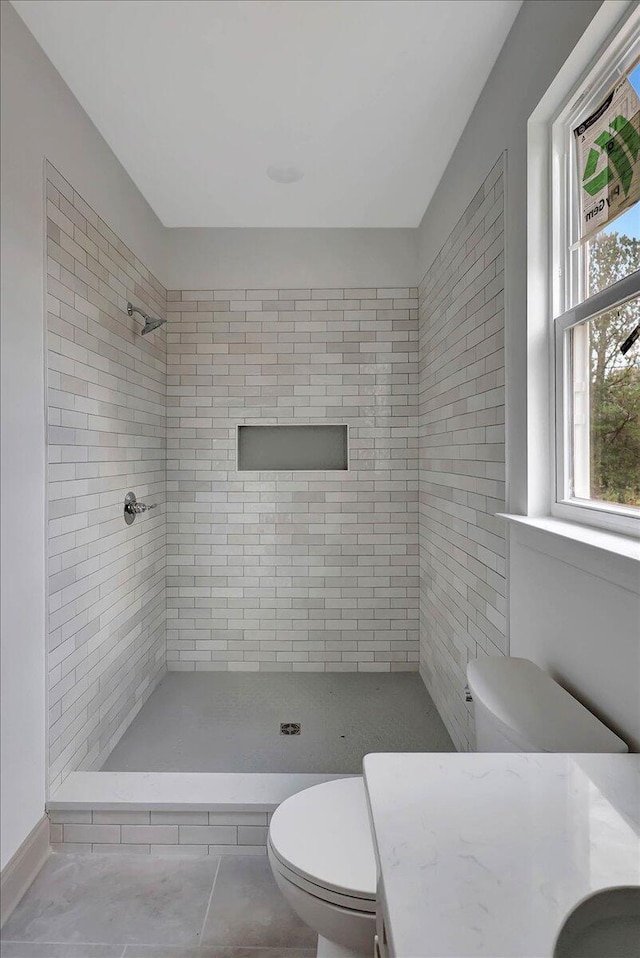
x: 90, y: 944
x: 106, y: 944
x: 206, y: 914
x: 276, y: 950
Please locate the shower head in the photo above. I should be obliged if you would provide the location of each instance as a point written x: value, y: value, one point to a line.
x: 150, y: 322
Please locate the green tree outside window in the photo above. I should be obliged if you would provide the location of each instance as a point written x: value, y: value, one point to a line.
x: 615, y: 379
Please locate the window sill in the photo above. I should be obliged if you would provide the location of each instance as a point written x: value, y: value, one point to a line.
x: 608, y: 555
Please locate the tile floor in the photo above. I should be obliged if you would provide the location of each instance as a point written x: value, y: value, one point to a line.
x: 108, y: 906
x: 230, y: 722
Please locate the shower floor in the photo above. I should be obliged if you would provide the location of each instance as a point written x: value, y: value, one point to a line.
x: 226, y: 722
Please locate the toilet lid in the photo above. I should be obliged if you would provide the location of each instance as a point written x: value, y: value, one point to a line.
x: 323, y: 835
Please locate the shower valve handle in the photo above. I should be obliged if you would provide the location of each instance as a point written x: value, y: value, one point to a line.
x: 139, y: 507
x: 133, y: 508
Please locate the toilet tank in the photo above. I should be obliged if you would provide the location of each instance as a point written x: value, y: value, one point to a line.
x: 519, y: 708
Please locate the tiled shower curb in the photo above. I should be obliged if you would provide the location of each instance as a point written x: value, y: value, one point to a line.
x: 169, y: 813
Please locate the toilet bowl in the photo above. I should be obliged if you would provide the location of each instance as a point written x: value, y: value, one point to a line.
x: 321, y: 853
x: 320, y: 845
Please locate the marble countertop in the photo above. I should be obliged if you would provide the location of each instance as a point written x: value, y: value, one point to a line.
x: 487, y: 854
x: 182, y: 791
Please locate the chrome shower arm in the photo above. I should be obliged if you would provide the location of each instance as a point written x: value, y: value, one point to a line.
x: 150, y: 322
x: 131, y: 309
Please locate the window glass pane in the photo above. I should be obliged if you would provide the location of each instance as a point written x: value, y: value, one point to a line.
x: 606, y: 407
x: 615, y: 252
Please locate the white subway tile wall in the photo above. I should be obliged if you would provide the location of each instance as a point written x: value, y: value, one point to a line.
x: 462, y: 455
x: 148, y: 832
x: 106, y: 436
x: 305, y: 571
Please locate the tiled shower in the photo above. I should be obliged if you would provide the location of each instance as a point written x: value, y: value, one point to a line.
x: 396, y: 564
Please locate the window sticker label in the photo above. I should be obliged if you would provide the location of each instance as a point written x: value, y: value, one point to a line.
x: 608, y: 154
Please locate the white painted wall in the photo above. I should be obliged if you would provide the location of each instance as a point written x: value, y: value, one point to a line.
x: 290, y: 258
x: 40, y: 117
x: 575, y: 611
x: 565, y: 612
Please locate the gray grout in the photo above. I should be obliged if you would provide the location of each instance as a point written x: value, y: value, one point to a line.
x: 206, y: 914
x: 90, y: 944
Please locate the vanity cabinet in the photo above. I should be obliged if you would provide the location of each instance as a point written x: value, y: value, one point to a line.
x: 381, y: 945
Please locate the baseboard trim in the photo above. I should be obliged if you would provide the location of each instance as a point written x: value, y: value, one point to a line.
x: 21, y: 870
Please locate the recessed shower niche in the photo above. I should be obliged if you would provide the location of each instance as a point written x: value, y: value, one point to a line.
x: 289, y: 448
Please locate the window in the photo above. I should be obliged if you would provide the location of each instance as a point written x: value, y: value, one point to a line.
x: 596, y: 295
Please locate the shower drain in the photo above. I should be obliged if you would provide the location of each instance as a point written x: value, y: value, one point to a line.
x: 290, y: 728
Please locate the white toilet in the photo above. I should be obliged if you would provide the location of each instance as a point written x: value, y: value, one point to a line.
x: 321, y: 853
x: 320, y: 845
x: 519, y: 708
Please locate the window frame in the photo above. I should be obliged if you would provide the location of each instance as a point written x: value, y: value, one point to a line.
x: 567, y: 274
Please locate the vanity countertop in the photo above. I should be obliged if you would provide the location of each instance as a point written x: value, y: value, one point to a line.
x: 486, y: 854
